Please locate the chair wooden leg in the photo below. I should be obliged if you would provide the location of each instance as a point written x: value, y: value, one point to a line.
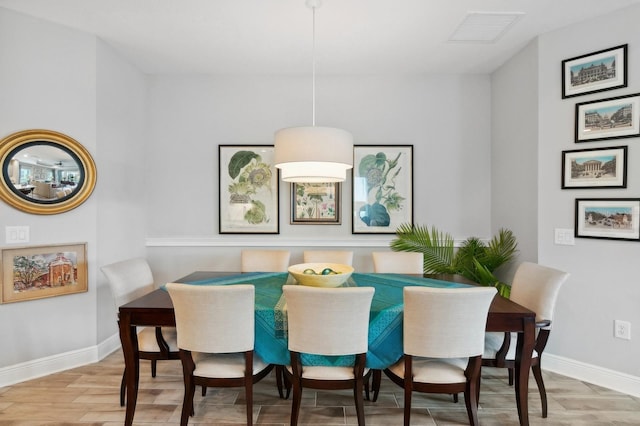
x: 248, y: 391
x: 359, y: 400
x: 153, y: 367
x: 123, y: 387
x: 375, y: 387
x: 407, y: 406
x: 204, y: 391
x: 537, y: 373
x: 297, y: 399
x: 455, y: 398
x: 279, y: 379
x: 510, y: 370
x: 187, y: 403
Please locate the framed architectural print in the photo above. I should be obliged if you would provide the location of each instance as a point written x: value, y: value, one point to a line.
x: 248, y: 196
x: 382, y: 188
x: 595, y: 168
x: 315, y: 203
x: 610, y: 118
x: 595, y: 72
x: 608, y: 218
x: 36, y: 272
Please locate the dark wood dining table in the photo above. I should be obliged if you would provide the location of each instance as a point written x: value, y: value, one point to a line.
x: 156, y: 309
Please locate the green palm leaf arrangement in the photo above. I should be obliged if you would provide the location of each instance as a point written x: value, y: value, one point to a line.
x: 474, y: 260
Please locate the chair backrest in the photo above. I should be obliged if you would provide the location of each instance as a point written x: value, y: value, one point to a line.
x: 328, y: 321
x: 344, y: 257
x: 214, y: 319
x: 264, y: 260
x: 536, y: 287
x: 398, y: 262
x: 445, y: 322
x: 129, y: 279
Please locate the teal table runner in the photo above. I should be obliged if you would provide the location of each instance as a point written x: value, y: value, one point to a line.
x: 385, y: 321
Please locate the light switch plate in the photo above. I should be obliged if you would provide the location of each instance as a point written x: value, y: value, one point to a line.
x: 17, y: 234
x: 564, y: 237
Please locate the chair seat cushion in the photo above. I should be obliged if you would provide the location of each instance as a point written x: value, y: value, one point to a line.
x: 493, y: 342
x: 431, y: 370
x: 147, y: 339
x: 224, y: 365
x: 327, y: 372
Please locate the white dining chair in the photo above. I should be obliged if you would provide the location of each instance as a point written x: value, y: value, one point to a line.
x: 128, y: 280
x: 344, y: 257
x: 397, y: 262
x: 327, y: 321
x: 215, y: 326
x: 443, y: 341
x: 264, y: 260
x: 535, y: 287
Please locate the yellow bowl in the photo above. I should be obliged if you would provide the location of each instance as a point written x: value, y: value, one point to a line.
x: 317, y: 279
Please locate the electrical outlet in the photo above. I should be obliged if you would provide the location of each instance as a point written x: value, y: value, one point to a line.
x: 622, y: 329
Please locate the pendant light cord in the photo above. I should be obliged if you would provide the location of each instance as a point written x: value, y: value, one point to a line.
x: 313, y: 62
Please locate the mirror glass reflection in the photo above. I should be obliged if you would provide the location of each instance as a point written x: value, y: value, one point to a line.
x: 43, y: 172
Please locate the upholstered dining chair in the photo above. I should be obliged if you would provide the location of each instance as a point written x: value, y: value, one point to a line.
x: 397, y: 262
x: 215, y: 326
x: 264, y: 260
x: 443, y: 340
x: 327, y: 321
x: 128, y: 280
x: 344, y: 257
x: 535, y: 287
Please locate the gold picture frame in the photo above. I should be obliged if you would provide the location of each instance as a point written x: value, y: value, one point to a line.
x: 37, y: 272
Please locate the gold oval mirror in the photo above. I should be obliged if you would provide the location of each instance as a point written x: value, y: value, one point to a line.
x: 45, y: 172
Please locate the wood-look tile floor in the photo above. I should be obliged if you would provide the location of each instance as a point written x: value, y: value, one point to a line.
x: 89, y: 395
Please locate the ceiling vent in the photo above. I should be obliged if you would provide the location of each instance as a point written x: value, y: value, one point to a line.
x: 484, y: 27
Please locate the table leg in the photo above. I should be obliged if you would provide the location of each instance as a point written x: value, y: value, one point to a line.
x: 129, y: 341
x: 524, y: 349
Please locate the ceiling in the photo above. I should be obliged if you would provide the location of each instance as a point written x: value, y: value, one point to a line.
x: 276, y: 36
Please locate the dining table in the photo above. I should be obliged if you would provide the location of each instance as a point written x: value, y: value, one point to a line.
x: 385, y: 323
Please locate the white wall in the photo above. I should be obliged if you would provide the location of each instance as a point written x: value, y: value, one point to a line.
x: 445, y: 117
x: 603, y: 284
x: 120, y: 159
x: 47, y: 80
x: 514, y: 153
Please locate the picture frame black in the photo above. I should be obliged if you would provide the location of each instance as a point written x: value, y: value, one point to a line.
x: 594, y: 168
x: 610, y: 118
x: 315, y: 203
x: 608, y: 218
x: 595, y: 72
x: 248, y: 196
x: 382, y: 188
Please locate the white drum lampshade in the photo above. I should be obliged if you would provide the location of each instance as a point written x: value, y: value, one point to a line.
x: 313, y: 154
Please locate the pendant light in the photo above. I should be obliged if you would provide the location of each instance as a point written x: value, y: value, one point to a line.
x: 311, y: 153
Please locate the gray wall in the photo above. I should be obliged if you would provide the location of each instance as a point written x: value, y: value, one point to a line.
x: 603, y: 283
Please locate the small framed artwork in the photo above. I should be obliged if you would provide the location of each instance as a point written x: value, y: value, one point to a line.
x: 595, y: 72
x: 248, y: 196
x: 315, y: 203
x: 382, y: 188
x: 36, y: 272
x: 610, y: 118
x: 595, y: 168
x: 608, y: 218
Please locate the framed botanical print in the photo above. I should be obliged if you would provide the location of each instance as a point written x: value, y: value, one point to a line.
x: 248, y: 196
x: 382, y: 188
x: 315, y: 203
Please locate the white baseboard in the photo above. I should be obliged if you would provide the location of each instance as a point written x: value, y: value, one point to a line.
x: 53, y: 364
x: 604, y: 377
